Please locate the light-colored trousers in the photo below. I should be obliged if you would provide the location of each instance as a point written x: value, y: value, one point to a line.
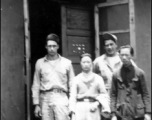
x: 83, y: 112
x: 54, y: 106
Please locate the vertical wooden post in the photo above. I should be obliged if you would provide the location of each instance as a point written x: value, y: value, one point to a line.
x: 97, y: 42
x: 27, y: 55
x: 63, y: 31
x: 132, y: 26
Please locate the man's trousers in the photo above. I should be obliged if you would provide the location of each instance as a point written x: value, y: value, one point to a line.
x: 54, y: 106
x: 118, y: 118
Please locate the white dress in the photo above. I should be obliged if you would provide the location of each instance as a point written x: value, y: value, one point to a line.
x: 91, y: 85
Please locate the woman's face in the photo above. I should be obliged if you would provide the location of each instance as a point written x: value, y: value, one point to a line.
x: 86, y: 63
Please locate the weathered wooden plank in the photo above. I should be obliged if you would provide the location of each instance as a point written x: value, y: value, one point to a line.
x: 63, y: 30
x: 78, y: 19
x: 27, y: 56
x: 12, y: 59
x: 79, y: 32
x: 80, y: 7
x: 132, y: 26
x: 74, y: 59
x: 114, y: 2
x: 96, y: 22
x: 114, y: 31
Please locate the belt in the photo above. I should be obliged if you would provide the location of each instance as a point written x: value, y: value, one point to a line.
x: 55, y: 90
x: 86, y: 100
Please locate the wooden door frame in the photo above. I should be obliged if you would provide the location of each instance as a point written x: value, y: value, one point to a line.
x: 27, y: 57
x: 131, y: 21
x: 64, y: 44
x: 63, y: 31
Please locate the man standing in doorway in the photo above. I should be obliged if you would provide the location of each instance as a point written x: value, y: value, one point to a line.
x: 106, y: 64
x: 52, y: 80
x: 129, y: 95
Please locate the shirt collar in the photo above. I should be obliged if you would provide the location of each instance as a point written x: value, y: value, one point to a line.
x: 105, y: 56
x: 135, y: 76
x: 46, y: 60
x: 105, y: 60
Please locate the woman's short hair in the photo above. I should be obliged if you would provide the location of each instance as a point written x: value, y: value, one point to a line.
x: 84, y: 55
x: 127, y: 46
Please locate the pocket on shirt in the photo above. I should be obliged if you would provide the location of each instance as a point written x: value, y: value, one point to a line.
x: 63, y: 75
x: 45, y: 75
x: 136, y: 85
x: 140, y: 110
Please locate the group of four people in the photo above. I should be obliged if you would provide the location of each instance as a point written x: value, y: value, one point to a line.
x: 111, y: 86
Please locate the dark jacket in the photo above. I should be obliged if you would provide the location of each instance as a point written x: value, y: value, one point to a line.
x: 132, y: 101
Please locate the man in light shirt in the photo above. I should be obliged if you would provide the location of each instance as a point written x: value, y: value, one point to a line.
x: 51, y: 84
x: 107, y: 63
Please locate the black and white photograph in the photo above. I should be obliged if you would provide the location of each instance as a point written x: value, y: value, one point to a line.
x: 75, y: 59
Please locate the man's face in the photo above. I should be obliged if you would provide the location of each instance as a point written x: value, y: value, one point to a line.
x: 86, y: 63
x: 110, y: 47
x: 52, y: 47
x: 125, y: 56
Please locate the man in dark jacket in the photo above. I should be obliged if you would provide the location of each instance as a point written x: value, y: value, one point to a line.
x: 129, y: 95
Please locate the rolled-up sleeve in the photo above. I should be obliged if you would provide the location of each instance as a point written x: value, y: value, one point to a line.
x: 103, y: 97
x: 36, y: 84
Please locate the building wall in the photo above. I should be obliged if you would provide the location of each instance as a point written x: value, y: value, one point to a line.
x: 143, y: 37
x: 12, y: 60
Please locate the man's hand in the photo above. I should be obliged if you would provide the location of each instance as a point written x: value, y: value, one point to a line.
x: 147, y: 117
x: 114, y: 118
x: 94, y: 106
x: 37, y: 111
x: 71, y: 115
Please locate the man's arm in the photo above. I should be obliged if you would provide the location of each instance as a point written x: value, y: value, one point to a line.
x: 73, y: 96
x: 145, y: 94
x: 70, y: 77
x: 103, y: 97
x: 96, y: 67
x: 36, y: 85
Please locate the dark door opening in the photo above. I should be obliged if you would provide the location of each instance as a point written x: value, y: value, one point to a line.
x: 45, y: 18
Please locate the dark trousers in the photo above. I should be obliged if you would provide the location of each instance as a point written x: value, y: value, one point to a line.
x: 118, y: 118
x: 103, y: 118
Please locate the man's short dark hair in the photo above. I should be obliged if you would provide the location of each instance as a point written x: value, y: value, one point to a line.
x: 52, y: 37
x: 127, y: 46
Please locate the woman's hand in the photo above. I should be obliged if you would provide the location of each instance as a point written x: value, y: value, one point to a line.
x: 94, y: 106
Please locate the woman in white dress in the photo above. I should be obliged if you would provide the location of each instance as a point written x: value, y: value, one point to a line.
x: 88, y: 93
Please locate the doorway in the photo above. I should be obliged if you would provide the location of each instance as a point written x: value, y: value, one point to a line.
x: 77, y: 35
